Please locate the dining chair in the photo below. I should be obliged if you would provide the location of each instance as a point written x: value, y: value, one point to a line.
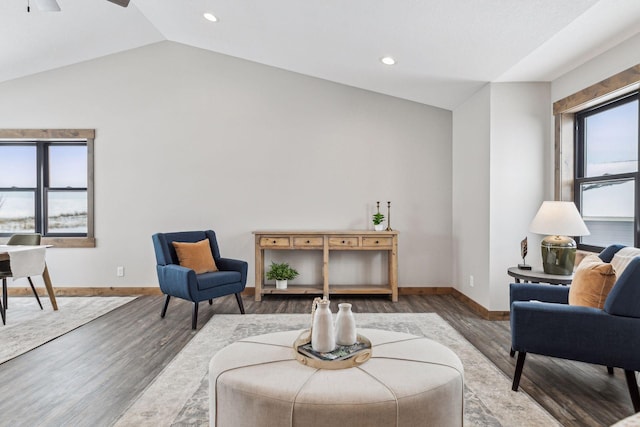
x: 27, y: 239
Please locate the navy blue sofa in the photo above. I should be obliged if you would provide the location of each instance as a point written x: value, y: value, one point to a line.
x: 181, y: 282
x: 542, y: 322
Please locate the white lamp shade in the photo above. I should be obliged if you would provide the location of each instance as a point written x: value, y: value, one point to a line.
x: 558, y: 219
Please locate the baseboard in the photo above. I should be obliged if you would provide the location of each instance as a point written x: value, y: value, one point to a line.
x: 479, y: 309
x: 249, y: 292
x: 439, y: 290
x: 89, y: 292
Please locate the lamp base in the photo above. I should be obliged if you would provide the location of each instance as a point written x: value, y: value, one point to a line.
x: 558, y: 255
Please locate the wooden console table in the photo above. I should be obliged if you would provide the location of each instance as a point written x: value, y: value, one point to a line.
x: 327, y: 241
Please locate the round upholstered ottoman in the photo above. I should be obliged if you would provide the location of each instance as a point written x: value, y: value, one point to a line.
x: 409, y: 381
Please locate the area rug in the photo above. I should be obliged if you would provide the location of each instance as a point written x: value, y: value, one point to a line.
x: 29, y: 327
x: 179, y: 395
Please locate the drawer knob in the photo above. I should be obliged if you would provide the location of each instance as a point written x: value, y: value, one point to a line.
x: 377, y: 242
x: 343, y: 242
x: 308, y: 241
x: 274, y: 241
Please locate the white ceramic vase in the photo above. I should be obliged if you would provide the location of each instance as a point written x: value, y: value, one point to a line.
x: 345, y: 325
x: 322, y: 334
x: 281, y: 284
x: 378, y: 227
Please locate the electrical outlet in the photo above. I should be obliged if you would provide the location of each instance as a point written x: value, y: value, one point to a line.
x: 120, y: 271
x: 471, y: 281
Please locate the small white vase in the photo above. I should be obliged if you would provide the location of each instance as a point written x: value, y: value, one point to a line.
x: 345, y: 325
x: 322, y: 335
x: 281, y: 284
x: 378, y: 227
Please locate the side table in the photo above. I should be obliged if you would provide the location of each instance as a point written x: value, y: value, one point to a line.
x: 537, y: 276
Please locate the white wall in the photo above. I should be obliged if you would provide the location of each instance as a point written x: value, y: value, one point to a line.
x: 520, y: 122
x: 189, y: 139
x: 471, y: 185
x: 613, y: 61
x: 500, y: 136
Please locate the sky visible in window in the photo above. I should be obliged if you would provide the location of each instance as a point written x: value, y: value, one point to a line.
x: 67, y: 163
x: 68, y: 168
x: 612, y: 141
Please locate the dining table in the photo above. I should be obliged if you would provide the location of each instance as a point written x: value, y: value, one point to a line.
x: 4, y: 256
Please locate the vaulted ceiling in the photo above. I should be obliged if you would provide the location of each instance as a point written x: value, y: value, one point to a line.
x: 445, y: 49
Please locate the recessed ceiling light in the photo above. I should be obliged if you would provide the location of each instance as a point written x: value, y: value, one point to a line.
x: 210, y: 17
x: 387, y: 60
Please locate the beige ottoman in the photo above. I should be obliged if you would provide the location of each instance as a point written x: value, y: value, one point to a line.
x: 409, y: 381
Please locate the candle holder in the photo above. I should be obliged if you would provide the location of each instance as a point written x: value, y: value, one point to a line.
x: 389, y: 216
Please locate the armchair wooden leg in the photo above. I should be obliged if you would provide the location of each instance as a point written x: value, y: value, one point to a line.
x: 632, y: 384
x: 518, y: 373
x: 194, y: 318
x: 240, y: 303
x: 610, y: 370
x: 166, y: 304
x: 35, y: 293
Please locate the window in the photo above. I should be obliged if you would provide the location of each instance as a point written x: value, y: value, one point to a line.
x: 606, y: 181
x: 46, y: 185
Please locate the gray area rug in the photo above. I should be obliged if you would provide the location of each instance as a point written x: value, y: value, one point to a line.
x: 179, y: 395
x: 29, y: 327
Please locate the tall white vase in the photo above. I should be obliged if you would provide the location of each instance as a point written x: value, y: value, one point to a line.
x: 322, y: 334
x: 345, y: 325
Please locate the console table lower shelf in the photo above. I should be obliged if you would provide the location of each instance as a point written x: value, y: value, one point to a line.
x: 333, y: 290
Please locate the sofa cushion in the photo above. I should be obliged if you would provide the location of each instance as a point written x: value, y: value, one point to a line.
x: 623, y: 257
x: 623, y: 298
x: 592, y: 281
x: 196, y: 256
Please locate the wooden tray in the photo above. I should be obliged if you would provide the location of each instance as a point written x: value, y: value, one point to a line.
x: 355, y: 359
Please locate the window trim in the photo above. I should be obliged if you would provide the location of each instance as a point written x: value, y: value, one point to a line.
x: 565, y: 110
x: 61, y: 135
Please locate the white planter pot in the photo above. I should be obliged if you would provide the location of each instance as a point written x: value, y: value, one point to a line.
x: 378, y: 227
x: 281, y: 284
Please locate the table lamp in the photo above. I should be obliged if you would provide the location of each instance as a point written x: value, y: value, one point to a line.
x: 558, y: 220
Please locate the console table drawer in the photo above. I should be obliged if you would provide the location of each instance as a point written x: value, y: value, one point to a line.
x: 275, y: 242
x: 308, y: 242
x: 377, y: 242
x: 343, y: 242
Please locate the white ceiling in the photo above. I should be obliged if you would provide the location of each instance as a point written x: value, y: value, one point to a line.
x: 446, y: 49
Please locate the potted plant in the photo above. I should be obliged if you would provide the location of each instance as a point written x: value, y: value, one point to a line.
x: 377, y: 221
x: 281, y: 273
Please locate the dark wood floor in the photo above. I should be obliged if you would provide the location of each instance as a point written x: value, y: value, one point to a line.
x: 91, y: 375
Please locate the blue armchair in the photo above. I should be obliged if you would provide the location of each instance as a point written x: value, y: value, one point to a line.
x: 181, y: 282
x: 542, y: 322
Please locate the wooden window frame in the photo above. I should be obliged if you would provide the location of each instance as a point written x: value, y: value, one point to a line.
x: 564, y: 111
x: 63, y: 135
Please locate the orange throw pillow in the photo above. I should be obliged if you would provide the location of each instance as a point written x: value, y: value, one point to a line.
x: 592, y: 281
x: 196, y: 256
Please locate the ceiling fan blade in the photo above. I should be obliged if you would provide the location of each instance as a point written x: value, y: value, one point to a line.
x: 48, y: 5
x: 123, y: 3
